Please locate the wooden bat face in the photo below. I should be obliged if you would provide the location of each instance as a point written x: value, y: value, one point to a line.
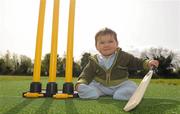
x: 139, y: 93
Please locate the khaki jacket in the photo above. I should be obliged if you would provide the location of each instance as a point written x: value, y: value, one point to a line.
x: 116, y: 74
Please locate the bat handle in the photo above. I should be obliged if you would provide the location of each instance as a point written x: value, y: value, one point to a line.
x: 154, y: 68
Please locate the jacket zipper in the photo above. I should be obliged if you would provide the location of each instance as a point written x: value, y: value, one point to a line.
x: 108, y: 72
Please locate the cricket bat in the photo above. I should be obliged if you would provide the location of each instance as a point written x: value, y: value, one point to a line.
x: 139, y: 93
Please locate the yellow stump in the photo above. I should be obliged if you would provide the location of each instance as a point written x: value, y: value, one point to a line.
x: 51, y: 88
x: 35, y: 86
x: 69, y: 55
x: 39, y: 39
x: 54, y: 42
x: 68, y: 85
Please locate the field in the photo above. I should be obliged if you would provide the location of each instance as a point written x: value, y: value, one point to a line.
x: 161, y: 97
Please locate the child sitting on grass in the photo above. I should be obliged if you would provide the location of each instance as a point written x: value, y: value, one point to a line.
x: 107, y: 72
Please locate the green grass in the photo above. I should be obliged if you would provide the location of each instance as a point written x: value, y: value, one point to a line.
x: 161, y: 97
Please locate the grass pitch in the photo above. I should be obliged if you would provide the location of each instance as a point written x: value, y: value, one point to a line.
x: 161, y: 97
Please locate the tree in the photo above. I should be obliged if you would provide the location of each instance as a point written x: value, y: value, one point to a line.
x: 45, y: 64
x: 8, y: 63
x: 62, y: 67
x: 15, y: 63
x: 59, y: 66
x: 178, y: 71
x: 75, y: 68
x: 2, y: 65
x: 25, y: 66
x: 165, y: 57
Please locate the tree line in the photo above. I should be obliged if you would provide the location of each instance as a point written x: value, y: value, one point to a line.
x: 13, y: 64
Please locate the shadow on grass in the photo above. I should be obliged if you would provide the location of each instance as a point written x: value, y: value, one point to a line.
x: 19, y: 107
x: 44, y: 108
x: 70, y: 107
x: 147, y: 106
x: 155, y: 106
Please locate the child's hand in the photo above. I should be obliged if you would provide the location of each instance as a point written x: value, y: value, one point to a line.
x: 153, y: 63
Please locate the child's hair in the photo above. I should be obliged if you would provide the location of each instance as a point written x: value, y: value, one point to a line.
x: 105, y: 31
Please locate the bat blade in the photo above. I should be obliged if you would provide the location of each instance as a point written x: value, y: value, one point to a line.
x: 139, y: 93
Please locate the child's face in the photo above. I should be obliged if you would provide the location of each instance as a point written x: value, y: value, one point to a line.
x: 106, y: 45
